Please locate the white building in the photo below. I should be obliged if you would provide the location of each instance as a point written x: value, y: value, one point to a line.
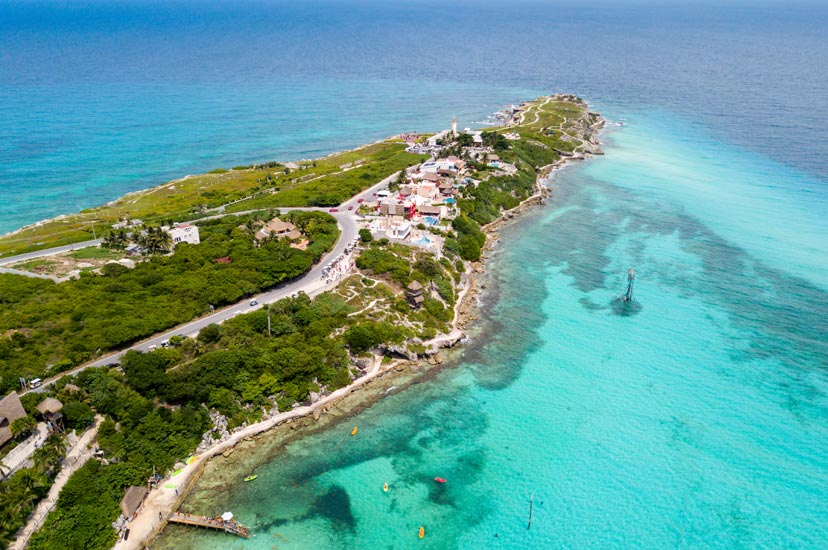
x: 399, y: 230
x: 184, y: 233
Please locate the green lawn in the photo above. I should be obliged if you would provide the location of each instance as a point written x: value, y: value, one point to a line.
x: 322, y: 181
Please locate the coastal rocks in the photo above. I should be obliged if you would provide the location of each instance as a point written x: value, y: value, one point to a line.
x: 592, y: 148
x: 218, y: 434
x: 436, y: 359
x: 401, y: 351
x: 364, y: 363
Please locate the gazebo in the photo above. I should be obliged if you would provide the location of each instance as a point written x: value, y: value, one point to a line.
x: 414, y: 294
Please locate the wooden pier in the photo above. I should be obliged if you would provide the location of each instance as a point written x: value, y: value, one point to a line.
x: 228, y: 526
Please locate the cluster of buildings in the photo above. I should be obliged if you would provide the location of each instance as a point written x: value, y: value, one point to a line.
x: 425, y: 199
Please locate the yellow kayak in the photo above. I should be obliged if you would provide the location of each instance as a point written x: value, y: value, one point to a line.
x: 422, y: 531
x: 385, y: 487
x: 354, y: 431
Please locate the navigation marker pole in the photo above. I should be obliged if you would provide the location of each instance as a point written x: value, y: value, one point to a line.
x: 531, y: 507
x: 628, y: 296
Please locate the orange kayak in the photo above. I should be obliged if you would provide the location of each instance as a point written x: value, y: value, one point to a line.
x: 422, y: 531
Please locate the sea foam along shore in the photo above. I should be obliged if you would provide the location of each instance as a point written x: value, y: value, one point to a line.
x: 163, y: 501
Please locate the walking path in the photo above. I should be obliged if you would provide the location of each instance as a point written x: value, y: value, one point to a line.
x: 161, y: 502
x: 18, y: 456
x: 75, y: 458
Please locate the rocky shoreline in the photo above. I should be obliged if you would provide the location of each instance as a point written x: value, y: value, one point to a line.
x: 380, y: 379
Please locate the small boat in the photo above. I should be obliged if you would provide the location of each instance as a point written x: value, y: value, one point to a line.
x: 440, y: 479
x: 384, y: 487
x: 422, y: 531
x: 251, y: 477
x: 354, y: 431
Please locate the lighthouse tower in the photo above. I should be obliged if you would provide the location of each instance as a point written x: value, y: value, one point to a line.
x: 454, y: 125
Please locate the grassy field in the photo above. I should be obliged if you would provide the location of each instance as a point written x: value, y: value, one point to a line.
x: 548, y: 124
x: 322, y: 182
x: 326, y: 181
x: 97, y: 253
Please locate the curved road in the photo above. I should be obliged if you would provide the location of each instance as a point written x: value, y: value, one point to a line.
x: 308, y: 283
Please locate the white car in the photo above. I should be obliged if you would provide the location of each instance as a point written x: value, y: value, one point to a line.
x: 253, y: 303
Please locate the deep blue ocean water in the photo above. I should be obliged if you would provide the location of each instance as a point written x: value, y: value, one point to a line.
x: 699, y: 422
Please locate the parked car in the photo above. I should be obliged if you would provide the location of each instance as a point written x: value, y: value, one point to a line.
x: 360, y: 201
x: 253, y: 303
x: 35, y: 383
x: 350, y: 208
x: 334, y: 210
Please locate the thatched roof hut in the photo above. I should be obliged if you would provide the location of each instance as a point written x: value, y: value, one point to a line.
x: 133, y: 498
x: 10, y: 410
x: 49, y: 405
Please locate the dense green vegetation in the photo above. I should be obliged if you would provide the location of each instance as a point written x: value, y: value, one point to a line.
x: 468, y: 239
x: 157, y: 408
x: 20, y: 494
x: 238, y: 368
x: 334, y: 188
x: 401, y: 265
x: 136, y: 436
x: 156, y: 411
x: 50, y: 327
x: 267, y: 184
x: 87, y: 506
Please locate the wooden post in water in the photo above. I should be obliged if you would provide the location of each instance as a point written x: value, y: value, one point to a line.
x: 531, y: 506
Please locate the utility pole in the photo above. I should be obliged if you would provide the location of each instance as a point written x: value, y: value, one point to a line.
x: 268, y: 320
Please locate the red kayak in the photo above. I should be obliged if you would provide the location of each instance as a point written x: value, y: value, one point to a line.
x: 440, y: 479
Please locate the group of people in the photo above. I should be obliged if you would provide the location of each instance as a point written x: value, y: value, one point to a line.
x: 340, y: 268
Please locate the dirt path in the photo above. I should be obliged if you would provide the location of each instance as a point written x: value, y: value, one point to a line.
x: 75, y: 458
x: 164, y: 500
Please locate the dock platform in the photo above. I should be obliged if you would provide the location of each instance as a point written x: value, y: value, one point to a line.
x: 228, y: 526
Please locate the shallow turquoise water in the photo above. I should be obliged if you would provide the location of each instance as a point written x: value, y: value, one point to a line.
x: 697, y: 422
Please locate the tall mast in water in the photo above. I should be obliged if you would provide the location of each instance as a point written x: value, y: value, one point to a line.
x: 628, y: 296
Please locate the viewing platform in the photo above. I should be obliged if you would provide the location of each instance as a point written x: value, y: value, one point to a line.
x: 224, y: 523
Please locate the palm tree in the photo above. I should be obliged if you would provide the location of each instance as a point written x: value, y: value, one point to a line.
x: 47, y: 457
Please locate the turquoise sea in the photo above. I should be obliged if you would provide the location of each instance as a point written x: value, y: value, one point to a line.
x: 699, y: 421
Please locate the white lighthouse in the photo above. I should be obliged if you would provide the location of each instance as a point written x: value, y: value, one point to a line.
x: 454, y: 125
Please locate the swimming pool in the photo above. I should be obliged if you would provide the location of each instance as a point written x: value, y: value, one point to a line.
x: 425, y: 241
x: 431, y: 220
x: 450, y: 200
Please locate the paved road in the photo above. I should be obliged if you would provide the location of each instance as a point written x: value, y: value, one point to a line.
x: 368, y: 194
x: 48, y: 252
x: 308, y: 283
